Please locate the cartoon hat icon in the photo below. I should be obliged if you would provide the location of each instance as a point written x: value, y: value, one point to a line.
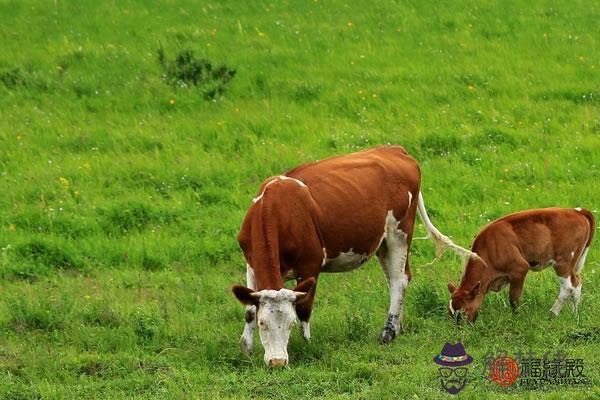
x: 453, y: 355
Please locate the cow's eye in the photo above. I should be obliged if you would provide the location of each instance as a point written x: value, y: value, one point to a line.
x: 262, y: 324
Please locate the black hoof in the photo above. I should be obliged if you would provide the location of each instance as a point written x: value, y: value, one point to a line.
x: 386, y: 336
x: 389, y: 330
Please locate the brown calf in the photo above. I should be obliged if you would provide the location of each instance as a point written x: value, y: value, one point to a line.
x: 328, y: 216
x: 528, y: 240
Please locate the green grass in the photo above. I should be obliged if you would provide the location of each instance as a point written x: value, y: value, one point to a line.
x: 123, y: 189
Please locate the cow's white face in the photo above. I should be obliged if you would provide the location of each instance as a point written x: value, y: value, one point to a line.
x: 276, y: 315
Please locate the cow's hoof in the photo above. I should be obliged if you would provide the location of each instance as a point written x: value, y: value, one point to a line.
x: 386, y: 336
x: 392, y: 327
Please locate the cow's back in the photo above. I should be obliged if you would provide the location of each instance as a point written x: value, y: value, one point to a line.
x: 354, y: 193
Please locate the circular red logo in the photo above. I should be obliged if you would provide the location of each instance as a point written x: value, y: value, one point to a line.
x: 504, y: 371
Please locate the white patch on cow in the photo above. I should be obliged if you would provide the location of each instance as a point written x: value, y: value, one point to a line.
x: 324, y: 257
x: 345, y: 261
x: 581, y: 261
x: 409, y: 199
x: 276, y: 316
x: 298, y: 181
x: 578, y: 209
x: 248, y: 334
x: 282, y: 178
x: 565, y: 291
x: 257, y: 198
x: 305, y: 330
x: 451, y: 308
x: 572, y: 254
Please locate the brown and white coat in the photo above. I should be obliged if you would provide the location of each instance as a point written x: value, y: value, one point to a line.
x: 328, y: 216
x: 510, y: 247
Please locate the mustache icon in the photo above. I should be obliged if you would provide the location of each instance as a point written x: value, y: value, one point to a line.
x: 454, y: 383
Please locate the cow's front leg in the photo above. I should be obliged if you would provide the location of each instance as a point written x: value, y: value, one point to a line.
x: 392, y: 257
x: 303, y: 311
x: 516, y: 285
x: 249, y: 315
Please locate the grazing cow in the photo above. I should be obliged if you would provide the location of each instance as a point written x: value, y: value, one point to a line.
x: 328, y: 216
x: 509, y: 247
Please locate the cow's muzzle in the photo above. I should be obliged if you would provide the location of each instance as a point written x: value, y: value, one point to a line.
x: 278, y: 362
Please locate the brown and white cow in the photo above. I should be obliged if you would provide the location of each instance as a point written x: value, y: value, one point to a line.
x: 511, y: 246
x: 328, y: 216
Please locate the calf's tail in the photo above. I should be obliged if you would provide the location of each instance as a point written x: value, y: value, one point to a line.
x: 592, y: 221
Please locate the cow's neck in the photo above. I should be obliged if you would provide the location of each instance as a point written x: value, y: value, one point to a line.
x: 265, y: 249
x: 476, y: 271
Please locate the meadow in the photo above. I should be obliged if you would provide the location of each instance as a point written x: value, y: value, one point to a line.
x: 133, y: 136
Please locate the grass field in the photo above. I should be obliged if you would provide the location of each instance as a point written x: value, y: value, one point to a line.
x: 123, y: 185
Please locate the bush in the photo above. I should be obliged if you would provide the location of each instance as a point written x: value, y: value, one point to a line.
x: 187, y: 70
x: 146, y: 326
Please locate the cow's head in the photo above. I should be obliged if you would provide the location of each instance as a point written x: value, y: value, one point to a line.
x: 465, y: 300
x: 276, y: 314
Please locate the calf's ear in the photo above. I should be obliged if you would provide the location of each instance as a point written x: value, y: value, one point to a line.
x: 304, y: 288
x: 451, y: 287
x: 245, y: 295
x: 476, y: 289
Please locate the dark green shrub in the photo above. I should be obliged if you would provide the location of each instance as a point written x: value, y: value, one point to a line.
x: 187, y: 70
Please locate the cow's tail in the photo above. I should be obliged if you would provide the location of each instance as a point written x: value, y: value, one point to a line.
x: 591, y: 220
x: 441, y: 241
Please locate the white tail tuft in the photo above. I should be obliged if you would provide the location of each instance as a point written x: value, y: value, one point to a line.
x: 440, y: 240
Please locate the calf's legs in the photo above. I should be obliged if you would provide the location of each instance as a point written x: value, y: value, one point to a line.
x: 516, y: 283
x: 570, y: 282
x: 565, y: 292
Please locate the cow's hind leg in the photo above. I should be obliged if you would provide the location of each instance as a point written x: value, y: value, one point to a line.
x: 392, y: 256
x: 576, y: 279
x: 576, y: 283
x: 566, y: 290
x: 249, y: 315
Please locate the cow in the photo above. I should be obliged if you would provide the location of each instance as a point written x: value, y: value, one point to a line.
x: 328, y: 216
x: 513, y: 245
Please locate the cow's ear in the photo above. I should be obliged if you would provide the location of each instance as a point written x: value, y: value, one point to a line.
x: 245, y: 295
x: 304, y: 288
x: 476, y: 289
x: 451, y: 287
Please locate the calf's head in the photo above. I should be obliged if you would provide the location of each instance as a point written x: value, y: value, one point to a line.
x: 465, y: 300
x: 276, y: 314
